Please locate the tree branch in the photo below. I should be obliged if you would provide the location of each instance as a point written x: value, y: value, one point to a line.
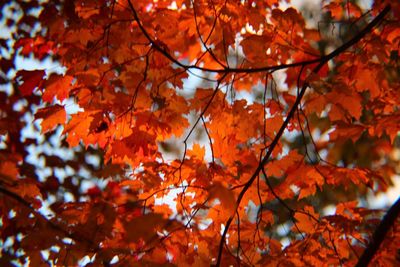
x: 43, y: 218
x: 379, y: 234
x: 321, y: 62
x: 290, y: 115
x: 225, y: 70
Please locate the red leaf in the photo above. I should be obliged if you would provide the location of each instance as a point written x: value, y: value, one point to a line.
x: 52, y: 116
x: 31, y: 80
x: 57, y: 86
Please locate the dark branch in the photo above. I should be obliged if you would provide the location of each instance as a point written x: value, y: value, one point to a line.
x: 379, y: 234
x: 42, y: 218
x: 290, y: 115
x: 226, y: 70
x: 321, y: 62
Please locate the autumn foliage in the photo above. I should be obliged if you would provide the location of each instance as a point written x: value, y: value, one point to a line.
x: 198, y: 133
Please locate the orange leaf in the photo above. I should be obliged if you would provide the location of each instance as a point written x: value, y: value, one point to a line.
x: 78, y: 127
x: 225, y: 196
x: 144, y: 227
x: 197, y: 151
x: 52, y: 116
x: 306, y: 221
x: 57, y: 86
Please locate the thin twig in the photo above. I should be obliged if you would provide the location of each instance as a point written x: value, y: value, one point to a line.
x: 290, y: 115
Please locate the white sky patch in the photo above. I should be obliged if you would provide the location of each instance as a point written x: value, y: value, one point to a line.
x: 68, y: 197
x: 295, y: 189
x: 45, y: 209
x: 173, y: 6
x: 86, y: 185
x: 170, y: 199
x: 85, y: 260
x: 313, y: 6
x: 222, y: 231
x: 382, y: 200
x: 252, y: 210
x: 329, y: 210
x: 205, y: 223
x: 93, y: 160
x: 114, y: 260
x: 365, y: 4
x: 283, y: 229
x: 71, y: 107
x: 285, y: 242
x: 31, y: 63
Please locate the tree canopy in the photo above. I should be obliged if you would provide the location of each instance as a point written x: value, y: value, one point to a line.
x: 198, y: 133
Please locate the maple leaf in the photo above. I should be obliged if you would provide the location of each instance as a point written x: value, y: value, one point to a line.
x: 197, y: 151
x: 138, y: 144
x: 40, y: 47
x: 31, y: 80
x: 57, y: 86
x: 144, y: 227
x: 297, y: 117
x: 27, y: 188
x: 8, y: 171
x: 78, y: 127
x: 306, y: 221
x: 52, y: 116
x: 225, y: 196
